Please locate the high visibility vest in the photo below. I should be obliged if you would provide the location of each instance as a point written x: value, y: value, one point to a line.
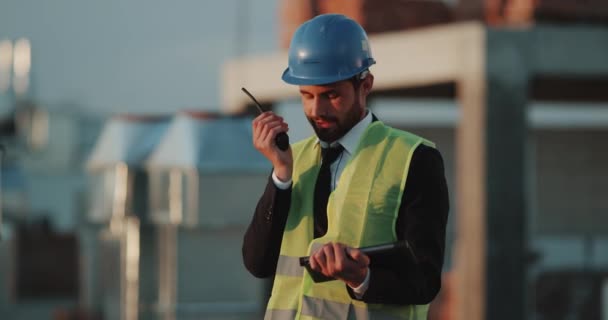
x: 361, y: 211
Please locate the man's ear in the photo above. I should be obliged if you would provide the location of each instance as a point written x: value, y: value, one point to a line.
x: 367, y: 84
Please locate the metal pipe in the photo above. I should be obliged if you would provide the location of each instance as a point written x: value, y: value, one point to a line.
x: 131, y: 257
x: 167, y: 271
x: 2, y: 153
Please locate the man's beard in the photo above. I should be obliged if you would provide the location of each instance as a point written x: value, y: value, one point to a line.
x: 340, y: 127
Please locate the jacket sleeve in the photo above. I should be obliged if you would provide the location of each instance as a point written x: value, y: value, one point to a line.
x: 262, y: 240
x: 406, y: 277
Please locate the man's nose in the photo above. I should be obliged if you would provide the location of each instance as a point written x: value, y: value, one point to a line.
x: 319, y: 107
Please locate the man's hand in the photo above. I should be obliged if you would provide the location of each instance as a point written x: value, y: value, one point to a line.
x: 341, y: 262
x: 266, y: 126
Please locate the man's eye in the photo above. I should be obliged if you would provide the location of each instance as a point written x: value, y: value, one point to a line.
x: 332, y: 95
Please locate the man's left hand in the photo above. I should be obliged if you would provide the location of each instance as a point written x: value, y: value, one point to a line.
x: 341, y: 262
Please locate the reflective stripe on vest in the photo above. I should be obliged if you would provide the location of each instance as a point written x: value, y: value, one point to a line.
x: 289, y: 266
x: 323, y: 309
x: 277, y: 314
x: 362, y: 211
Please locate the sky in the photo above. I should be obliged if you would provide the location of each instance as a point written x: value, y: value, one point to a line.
x: 136, y: 56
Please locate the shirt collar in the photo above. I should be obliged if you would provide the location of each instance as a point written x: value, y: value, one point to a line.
x: 351, y: 139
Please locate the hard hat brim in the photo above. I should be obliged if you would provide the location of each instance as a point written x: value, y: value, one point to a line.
x: 315, y: 81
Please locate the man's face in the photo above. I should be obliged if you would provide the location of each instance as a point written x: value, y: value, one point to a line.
x: 333, y: 109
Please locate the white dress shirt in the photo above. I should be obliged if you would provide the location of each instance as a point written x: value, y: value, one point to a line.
x: 349, y: 141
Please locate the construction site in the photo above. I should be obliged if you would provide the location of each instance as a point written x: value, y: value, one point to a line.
x: 128, y: 176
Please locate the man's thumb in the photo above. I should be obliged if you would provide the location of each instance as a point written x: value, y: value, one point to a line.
x: 358, y: 256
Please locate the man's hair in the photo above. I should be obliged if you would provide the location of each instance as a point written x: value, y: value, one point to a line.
x: 357, y: 79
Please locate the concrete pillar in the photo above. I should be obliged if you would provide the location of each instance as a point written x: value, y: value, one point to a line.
x: 507, y: 74
x: 491, y: 223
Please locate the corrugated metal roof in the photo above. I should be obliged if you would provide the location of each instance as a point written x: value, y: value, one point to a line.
x: 127, y: 139
x: 208, y: 143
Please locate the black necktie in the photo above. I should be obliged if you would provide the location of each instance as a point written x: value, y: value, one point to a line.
x: 323, y: 189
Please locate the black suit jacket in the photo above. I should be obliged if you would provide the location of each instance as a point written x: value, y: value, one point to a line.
x: 395, y: 277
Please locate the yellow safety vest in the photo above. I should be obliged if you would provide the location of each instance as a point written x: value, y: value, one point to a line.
x: 361, y: 211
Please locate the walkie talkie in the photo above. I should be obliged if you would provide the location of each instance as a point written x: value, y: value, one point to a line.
x: 282, y: 139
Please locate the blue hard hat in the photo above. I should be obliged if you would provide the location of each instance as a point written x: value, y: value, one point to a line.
x: 327, y: 49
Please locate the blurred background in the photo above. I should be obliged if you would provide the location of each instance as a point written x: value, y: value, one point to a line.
x: 128, y: 177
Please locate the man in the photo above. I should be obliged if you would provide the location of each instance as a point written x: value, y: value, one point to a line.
x: 386, y: 186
